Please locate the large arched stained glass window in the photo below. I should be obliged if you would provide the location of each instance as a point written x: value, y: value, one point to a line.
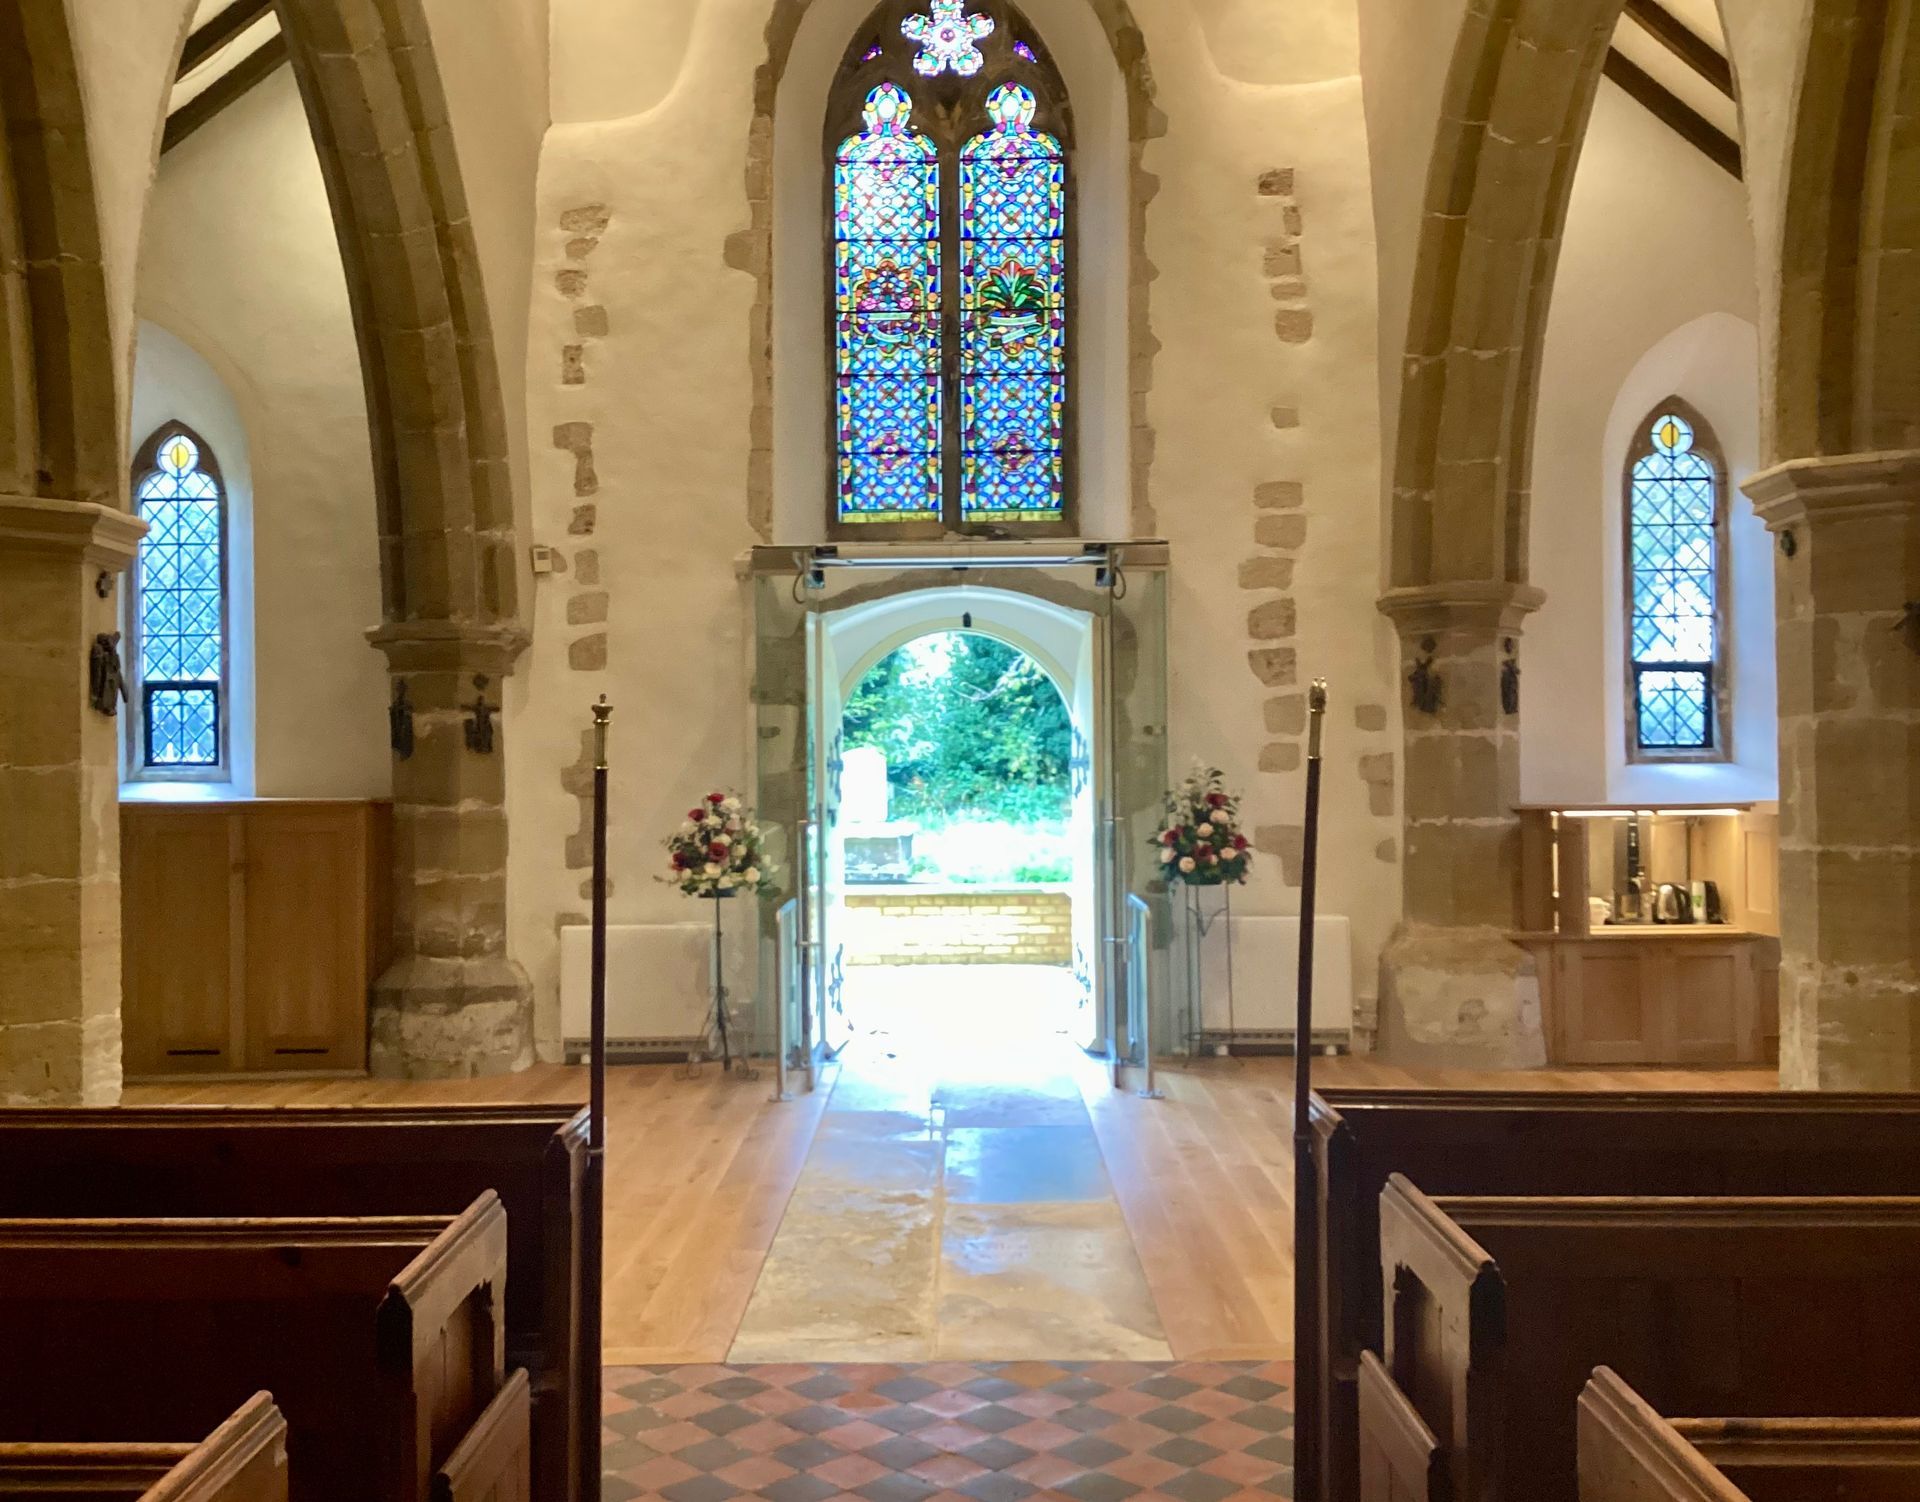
x: 949, y: 139
x: 1675, y: 587
x: 179, y: 603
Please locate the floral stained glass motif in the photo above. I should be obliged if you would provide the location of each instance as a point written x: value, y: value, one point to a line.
x: 1674, y: 551
x: 948, y: 38
x: 1013, y: 317
x: 182, y: 608
x: 887, y: 293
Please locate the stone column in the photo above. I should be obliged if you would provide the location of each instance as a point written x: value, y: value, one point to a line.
x: 451, y: 1004
x: 59, y: 804
x: 1847, y: 602
x: 1455, y: 990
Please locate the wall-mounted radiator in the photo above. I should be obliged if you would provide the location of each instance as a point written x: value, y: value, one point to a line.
x: 659, y: 986
x: 1266, y: 967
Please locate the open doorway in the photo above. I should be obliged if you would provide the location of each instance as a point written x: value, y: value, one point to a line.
x: 965, y: 844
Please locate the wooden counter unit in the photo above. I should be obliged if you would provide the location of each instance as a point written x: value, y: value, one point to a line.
x: 252, y: 931
x: 1700, y: 994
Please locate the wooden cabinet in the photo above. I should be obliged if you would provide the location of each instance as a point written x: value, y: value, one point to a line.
x: 1683, y: 997
x: 251, y: 934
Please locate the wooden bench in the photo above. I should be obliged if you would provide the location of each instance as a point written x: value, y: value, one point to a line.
x: 1519, y: 1142
x: 1400, y: 1459
x: 378, y: 1337
x: 350, y: 1160
x: 1629, y: 1453
x: 1501, y: 1308
x: 244, y: 1460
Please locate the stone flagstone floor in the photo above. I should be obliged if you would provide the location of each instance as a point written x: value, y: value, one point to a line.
x: 1108, y: 1431
x: 955, y: 1203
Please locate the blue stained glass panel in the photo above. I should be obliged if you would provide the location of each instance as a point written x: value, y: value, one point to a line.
x: 1013, y: 317
x: 1674, y: 583
x: 182, y: 608
x: 887, y: 289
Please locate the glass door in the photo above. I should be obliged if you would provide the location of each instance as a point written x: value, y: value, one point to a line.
x: 1132, y: 769
x: 784, y: 1003
x: 827, y: 845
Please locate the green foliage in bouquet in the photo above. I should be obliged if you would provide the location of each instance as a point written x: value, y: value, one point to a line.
x: 1200, y: 840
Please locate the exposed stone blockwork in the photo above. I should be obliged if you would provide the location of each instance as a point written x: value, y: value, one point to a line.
x: 59, y: 829
x: 1847, y: 600
x: 1454, y: 988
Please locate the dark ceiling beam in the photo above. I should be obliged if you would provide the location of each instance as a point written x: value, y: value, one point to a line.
x: 228, y: 89
x: 1675, y: 113
x: 1683, y: 42
x: 222, y: 29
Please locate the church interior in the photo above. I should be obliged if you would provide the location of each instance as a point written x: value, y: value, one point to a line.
x: 959, y: 750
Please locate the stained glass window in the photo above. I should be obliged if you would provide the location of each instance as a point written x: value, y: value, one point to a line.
x: 1013, y: 316
x: 887, y: 315
x: 1672, y: 529
x: 181, y: 609
x: 950, y: 142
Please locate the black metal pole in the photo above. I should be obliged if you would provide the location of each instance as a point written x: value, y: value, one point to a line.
x: 1308, y: 1378
x: 592, y: 1260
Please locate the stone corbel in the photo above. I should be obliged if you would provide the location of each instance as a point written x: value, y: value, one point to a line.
x: 83, y: 530
x: 1808, y: 491
x: 451, y: 646
x: 1462, y: 605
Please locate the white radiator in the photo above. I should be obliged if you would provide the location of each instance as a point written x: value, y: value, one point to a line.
x: 659, y: 984
x: 1266, y: 969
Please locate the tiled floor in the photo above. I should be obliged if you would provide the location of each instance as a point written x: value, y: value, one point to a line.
x: 1110, y: 1431
x: 955, y: 1203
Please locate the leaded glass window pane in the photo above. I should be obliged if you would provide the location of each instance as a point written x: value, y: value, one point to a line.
x: 182, y: 608
x: 1674, y: 583
x: 887, y: 316
x: 1013, y: 316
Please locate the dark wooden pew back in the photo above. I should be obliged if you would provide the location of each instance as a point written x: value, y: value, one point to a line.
x: 1629, y: 1453
x: 348, y: 1161
x: 377, y: 1337
x: 1502, y: 1308
x: 244, y: 1460
x: 1599, y: 1143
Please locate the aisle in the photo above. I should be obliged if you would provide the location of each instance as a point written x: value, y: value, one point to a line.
x: 955, y: 1203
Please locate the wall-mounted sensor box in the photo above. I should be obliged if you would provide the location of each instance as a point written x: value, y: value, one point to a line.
x: 545, y: 559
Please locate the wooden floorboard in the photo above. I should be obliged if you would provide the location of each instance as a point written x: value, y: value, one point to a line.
x: 699, y: 1173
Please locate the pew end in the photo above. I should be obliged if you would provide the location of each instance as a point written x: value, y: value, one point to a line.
x: 493, y: 1463
x: 1400, y: 1460
x: 244, y: 1460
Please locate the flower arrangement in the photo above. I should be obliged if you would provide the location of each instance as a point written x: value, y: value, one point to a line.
x: 717, y: 851
x: 1200, y: 840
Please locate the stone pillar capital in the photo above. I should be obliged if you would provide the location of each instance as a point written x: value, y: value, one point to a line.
x: 83, y: 530
x: 1836, y: 487
x: 1490, y: 605
x: 490, y: 647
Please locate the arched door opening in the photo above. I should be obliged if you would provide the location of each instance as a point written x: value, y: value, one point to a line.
x: 964, y: 848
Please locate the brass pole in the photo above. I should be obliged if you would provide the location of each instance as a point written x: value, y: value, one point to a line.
x: 1308, y: 1353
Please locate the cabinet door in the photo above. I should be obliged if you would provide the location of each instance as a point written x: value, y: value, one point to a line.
x: 179, y: 869
x: 1711, y: 1001
x: 1606, y: 1009
x: 305, y: 943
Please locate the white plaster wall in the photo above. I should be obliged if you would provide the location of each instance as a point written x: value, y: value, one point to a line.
x: 173, y: 382
x: 240, y: 262
x: 1655, y: 298
x: 1245, y: 88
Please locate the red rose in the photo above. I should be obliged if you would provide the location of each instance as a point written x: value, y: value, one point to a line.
x: 1171, y: 837
x: 1239, y: 842
x: 695, y: 815
x: 716, y: 799
x: 1216, y: 800
x: 1203, y: 850
x: 716, y: 852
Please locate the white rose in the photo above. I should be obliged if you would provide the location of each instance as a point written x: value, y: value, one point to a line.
x: 1205, y: 831
x: 731, y: 805
x: 713, y: 868
x: 1187, y: 864
x: 723, y: 839
x: 687, y: 828
x: 726, y: 883
x: 1166, y: 857
x: 751, y: 876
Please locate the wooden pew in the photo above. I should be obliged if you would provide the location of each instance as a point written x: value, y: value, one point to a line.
x: 1400, y: 1460
x: 1503, y: 1307
x: 1599, y: 1143
x: 244, y: 1460
x: 378, y: 1337
x: 1629, y: 1453
x: 350, y: 1160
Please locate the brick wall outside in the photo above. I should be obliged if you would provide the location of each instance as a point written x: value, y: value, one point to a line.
x: 908, y: 925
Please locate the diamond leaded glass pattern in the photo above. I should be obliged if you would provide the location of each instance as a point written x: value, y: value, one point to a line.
x: 1013, y: 317
x: 887, y: 335
x: 181, y: 606
x: 1675, y: 510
